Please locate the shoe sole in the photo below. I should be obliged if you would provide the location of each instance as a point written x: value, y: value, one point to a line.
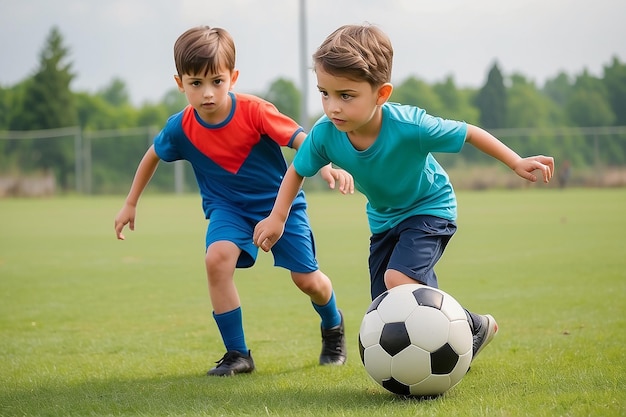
x: 492, y: 330
x: 229, y: 373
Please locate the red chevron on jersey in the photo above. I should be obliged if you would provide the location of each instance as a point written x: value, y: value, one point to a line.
x: 230, y: 142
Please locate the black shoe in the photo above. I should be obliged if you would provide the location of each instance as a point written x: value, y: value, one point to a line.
x: 233, y: 362
x: 484, y: 334
x: 333, y: 345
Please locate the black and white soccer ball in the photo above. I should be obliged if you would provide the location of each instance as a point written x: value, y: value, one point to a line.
x: 415, y: 340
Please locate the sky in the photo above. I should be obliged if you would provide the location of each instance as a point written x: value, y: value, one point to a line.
x: 133, y: 39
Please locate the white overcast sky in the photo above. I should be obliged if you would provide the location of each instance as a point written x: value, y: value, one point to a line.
x: 133, y: 39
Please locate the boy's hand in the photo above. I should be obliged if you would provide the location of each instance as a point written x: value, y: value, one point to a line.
x: 125, y: 216
x: 267, y: 232
x: 332, y: 176
x: 525, y: 167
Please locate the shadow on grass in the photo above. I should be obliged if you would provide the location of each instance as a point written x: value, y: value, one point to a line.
x: 297, y: 392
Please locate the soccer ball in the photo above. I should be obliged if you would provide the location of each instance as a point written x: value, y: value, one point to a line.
x: 415, y: 340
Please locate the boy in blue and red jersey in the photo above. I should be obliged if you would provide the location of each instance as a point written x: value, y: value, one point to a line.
x: 233, y: 142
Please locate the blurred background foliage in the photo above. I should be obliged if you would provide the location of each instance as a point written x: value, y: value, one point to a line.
x: 580, y: 119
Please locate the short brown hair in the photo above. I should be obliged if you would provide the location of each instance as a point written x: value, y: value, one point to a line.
x: 359, y: 52
x: 204, y: 49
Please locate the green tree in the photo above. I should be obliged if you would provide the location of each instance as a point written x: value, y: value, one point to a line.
x: 6, y: 95
x: 558, y: 88
x: 588, y: 104
x: 491, y: 100
x: 174, y: 101
x: 49, y: 103
x: 10, y: 102
x: 529, y: 107
x: 116, y: 93
x: 152, y: 115
x: 456, y: 103
x: 94, y: 113
x: 285, y: 96
x: 615, y: 83
x: 5, y: 107
x: 415, y: 92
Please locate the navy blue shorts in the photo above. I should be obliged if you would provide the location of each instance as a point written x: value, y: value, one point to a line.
x: 294, y: 251
x: 413, y: 247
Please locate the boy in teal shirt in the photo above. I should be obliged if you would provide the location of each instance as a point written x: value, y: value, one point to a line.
x: 388, y: 149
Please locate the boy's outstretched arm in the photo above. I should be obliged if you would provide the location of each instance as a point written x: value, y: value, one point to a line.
x: 523, y: 167
x: 269, y: 230
x: 145, y: 171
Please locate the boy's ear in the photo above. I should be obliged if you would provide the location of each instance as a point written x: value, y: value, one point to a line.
x: 234, y: 75
x: 384, y: 92
x: 179, y: 83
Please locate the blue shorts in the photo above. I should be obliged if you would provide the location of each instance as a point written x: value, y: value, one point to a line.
x: 413, y: 247
x: 294, y: 251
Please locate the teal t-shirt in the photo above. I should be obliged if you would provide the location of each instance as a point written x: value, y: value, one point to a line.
x: 398, y: 173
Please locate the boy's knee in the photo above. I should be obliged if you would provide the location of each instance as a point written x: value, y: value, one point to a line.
x: 394, y: 278
x: 221, y: 256
x: 311, y: 283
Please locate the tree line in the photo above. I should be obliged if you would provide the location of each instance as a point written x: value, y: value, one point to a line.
x: 525, y: 115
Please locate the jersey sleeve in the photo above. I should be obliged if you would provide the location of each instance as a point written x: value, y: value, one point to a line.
x: 442, y: 135
x: 281, y: 128
x: 165, y: 141
x: 310, y: 158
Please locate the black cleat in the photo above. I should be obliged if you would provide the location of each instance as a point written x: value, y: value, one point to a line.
x: 233, y: 362
x: 333, y: 345
x: 485, y: 334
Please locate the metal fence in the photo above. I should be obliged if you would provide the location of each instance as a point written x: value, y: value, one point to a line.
x: 97, y: 171
x: 92, y: 160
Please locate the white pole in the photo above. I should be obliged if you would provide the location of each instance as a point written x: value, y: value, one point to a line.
x: 304, y: 70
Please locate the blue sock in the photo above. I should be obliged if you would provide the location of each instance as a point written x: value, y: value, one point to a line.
x: 230, y: 325
x: 329, y: 314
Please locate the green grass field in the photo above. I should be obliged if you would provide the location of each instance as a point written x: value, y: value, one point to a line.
x: 93, y: 326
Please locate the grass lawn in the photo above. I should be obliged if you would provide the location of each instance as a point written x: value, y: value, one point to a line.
x: 93, y: 326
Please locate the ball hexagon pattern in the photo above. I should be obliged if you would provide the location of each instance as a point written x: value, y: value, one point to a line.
x: 415, y: 340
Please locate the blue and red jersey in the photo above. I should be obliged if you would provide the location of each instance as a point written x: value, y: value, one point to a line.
x: 237, y: 163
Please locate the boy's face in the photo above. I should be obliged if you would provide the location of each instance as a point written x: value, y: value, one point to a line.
x: 351, y: 105
x: 208, y: 94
